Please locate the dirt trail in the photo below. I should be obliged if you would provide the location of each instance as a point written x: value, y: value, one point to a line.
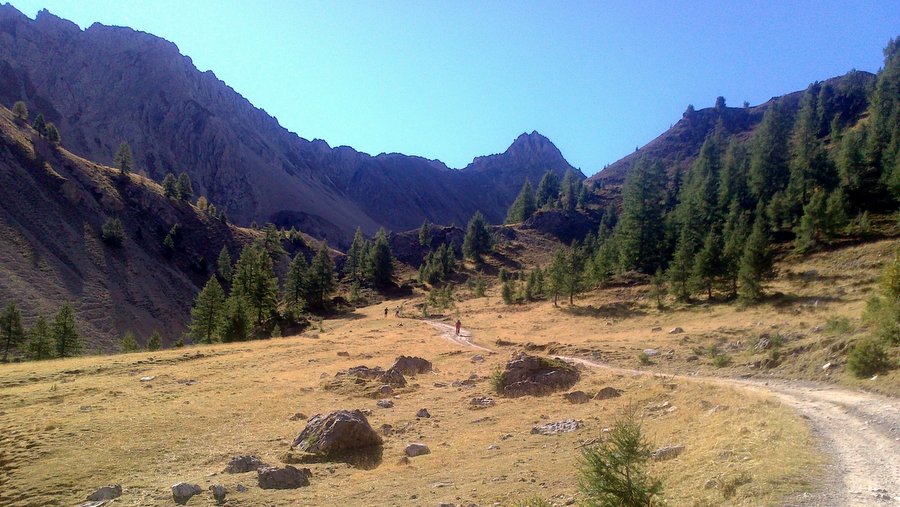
x: 860, y: 431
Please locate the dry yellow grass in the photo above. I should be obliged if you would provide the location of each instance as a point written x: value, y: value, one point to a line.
x: 71, y: 426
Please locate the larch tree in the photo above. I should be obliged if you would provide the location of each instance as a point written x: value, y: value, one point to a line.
x: 65, y: 333
x: 40, y: 341
x: 477, y: 241
x: 12, y: 335
x: 208, y: 313
x: 123, y: 159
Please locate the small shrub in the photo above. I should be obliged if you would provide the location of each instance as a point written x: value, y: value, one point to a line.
x: 614, y: 471
x: 867, y: 358
x: 498, y: 381
x: 506, y: 292
x: 838, y: 326
x: 154, y: 343
x: 113, y: 232
x: 480, y: 285
x: 535, y: 501
x: 721, y: 360
x: 729, y: 486
x: 644, y: 359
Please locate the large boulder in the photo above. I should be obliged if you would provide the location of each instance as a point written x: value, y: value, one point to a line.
x: 183, y: 491
x: 411, y: 365
x: 339, y: 431
x: 106, y: 493
x: 288, y: 477
x: 536, y: 376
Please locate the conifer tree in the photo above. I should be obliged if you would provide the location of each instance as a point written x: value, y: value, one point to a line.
x: 658, y: 287
x: 836, y: 212
x: 707, y: 264
x: 65, y: 333
x: 569, y: 190
x: 320, y: 280
x: 21, y: 111
x: 640, y: 228
x: 884, y: 140
x: 223, y: 265
x: 557, y: 273
x: 733, y: 177
x: 477, y: 241
x: 607, y: 223
x: 736, y: 230
x: 255, y: 282
x: 770, y: 154
x: 813, y: 223
x: 680, y: 268
x: 809, y: 165
x: 170, y: 186
x: 523, y: 207
x: 295, y: 283
x: 755, y: 263
x: 184, y: 187
x: 604, y: 261
x: 52, y: 133
x: 124, y: 161
x: 208, y: 313
x: 128, y: 343
x: 40, y: 341
x: 574, y: 276
x: 424, y: 234
x: 40, y: 124
x: 380, y: 265
x: 12, y: 335
x: 547, y: 190
x: 354, y: 266
x: 236, y: 323
x: 154, y: 343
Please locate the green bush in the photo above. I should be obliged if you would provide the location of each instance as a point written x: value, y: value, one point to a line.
x: 838, y: 326
x: 721, y: 360
x: 498, y: 381
x: 613, y: 473
x: 867, y: 358
x: 644, y: 359
x: 113, y: 232
x: 128, y: 343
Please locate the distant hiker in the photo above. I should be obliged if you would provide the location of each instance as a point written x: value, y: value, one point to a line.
x: 397, y: 312
x: 458, y: 325
x: 385, y: 312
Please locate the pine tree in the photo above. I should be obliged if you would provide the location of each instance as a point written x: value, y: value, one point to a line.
x: 658, y: 287
x: 733, y: 177
x: 21, y: 111
x: 65, y: 333
x: 208, y: 313
x: 884, y: 140
x: 124, y: 161
x: 295, y: 283
x: 557, y: 273
x: 12, y: 335
x: 477, y: 241
x: 380, y: 265
x: 223, y: 265
x: 524, y: 206
x: 809, y: 165
x: 113, y: 232
x: 770, y: 154
x: 680, y: 268
x: 755, y: 263
x: 640, y: 228
x: 574, y: 277
x: 569, y: 190
x: 184, y: 187
x: 170, y: 186
x: 354, y: 266
x: 836, y: 212
x: 52, y: 133
x: 40, y: 341
x: 547, y: 190
x: 128, y: 343
x: 40, y: 124
x: 707, y: 264
x: 320, y: 281
x: 737, y: 228
x: 255, y: 281
x: 154, y: 343
x: 813, y: 223
x: 424, y: 234
x: 236, y: 322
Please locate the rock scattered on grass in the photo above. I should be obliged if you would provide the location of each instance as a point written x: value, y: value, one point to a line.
x: 417, y: 449
x: 668, y: 452
x: 106, y: 493
x: 607, y: 393
x: 676, y: 330
x: 341, y: 430
x: 533, y: 375
x: 244, y: 464
x: 385, y: 403
x: 577, y: 397
x: 423, y: 412
x: 183, y: 491
x: 218, y: 493
x: 482, y: 402
x: 288, y: 477
x: 565, y: 426
x: 411, y: 365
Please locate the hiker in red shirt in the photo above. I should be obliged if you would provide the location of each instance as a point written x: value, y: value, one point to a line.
x: 458, y: 325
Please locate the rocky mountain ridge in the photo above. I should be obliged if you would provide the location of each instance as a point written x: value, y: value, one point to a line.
x: 104, y: 85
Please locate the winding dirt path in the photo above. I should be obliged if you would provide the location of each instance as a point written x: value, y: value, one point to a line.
x: 859, y: 431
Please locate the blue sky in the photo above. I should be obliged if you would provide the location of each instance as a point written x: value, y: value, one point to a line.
x: 456, y: 79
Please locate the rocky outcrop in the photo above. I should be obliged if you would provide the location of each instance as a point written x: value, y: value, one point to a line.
x: 391, y: 377
x: 411, y: 365
x: 337, y: 432
x: 536, y: 376
x: 243, y: 464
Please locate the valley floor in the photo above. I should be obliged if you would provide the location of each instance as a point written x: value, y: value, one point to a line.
x: 150, y: 420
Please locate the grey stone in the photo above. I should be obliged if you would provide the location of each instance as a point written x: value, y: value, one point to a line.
x: 416, y: 449
x: 288, y: 477
x: 423, y: 412
x: 607, y: 393
x: 106, y: 493
x: 183, y: 491
x: 342, y: 430
x: 564, y: 426
x: 676, y: 330
x: 668, y: 452
x: 411, y: 365
x: 243, y: 464
x: 577, y: 397
x: 218, y: 493
x: 385, y: 403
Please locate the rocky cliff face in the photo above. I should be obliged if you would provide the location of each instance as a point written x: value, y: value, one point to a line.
x: 104, y: 85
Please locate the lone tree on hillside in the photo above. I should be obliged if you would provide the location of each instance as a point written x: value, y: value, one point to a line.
x: 124, y: 160
x: 65, y: 333
x: 425, y: 234
x: 40, y: 124
x: 11, y: 332
x: 478, y: 239
x: 52, y: 133
x: 223, y: 265
x: 21, y: 111
x: 40, y: 340
x: 170, y: 186
x: 380, y: 267
x: 184, y: 187
x: 524, y: 206
x: 295, y: 283
x: 208, y: 313
x: 320, y: 283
